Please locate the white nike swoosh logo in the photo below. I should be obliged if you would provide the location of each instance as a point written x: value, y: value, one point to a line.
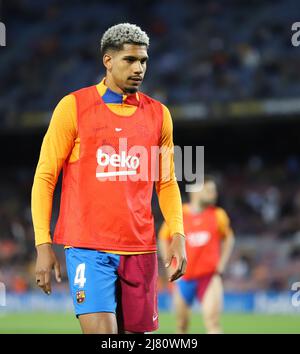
x: 155, y: 318
x: 118, y: 129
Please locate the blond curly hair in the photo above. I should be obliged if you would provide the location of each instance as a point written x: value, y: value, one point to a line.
x: 115, y: 36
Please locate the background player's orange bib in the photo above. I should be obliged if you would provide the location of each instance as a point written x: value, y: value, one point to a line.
x: 202, y: 242
x: 110, y: 215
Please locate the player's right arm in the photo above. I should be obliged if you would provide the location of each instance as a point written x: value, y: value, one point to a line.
x: 57, y: 144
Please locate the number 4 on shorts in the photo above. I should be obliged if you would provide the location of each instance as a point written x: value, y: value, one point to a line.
x: 79, y: 277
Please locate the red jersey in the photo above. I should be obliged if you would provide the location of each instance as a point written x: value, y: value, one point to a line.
x: 204, y: 232
x: 101, y: 207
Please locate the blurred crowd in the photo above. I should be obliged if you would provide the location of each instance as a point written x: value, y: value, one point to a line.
x: 200, y: 50
x: 262, y: 200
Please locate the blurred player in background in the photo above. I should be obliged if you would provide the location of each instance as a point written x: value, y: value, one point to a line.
x: 107, y: 224
x: 209, y: 243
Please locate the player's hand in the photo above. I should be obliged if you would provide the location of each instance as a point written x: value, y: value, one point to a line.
x: 177, y: 250
x: 220, y: 270
x: 46, y: 261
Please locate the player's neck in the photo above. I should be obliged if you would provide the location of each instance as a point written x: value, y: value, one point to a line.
x: 108, y: 82
x: 196, y: 208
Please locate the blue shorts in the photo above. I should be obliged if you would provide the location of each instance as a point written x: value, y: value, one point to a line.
x: 122, y: 284
x: 190, y: 289
x: 90, y: 271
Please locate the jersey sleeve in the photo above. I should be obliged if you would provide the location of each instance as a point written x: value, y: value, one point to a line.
x: 223, y: 223
x: 167, y: 187
x: 56, y: 147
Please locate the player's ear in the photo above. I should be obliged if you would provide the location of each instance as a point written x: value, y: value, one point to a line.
x: 107, y: 61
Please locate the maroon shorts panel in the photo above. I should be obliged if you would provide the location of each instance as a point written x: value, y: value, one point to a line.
x: 137, y: 303
x: 203, y: 283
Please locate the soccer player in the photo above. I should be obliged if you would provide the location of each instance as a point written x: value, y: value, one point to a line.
x: 209, y: 243
x: 102, y: 136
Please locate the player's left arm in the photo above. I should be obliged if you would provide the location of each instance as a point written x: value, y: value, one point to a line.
x: 227, y: 239
x: 164, y: 240
x: 170, y: 199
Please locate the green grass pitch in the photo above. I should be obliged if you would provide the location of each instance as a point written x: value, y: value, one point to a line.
x: 232, y: 323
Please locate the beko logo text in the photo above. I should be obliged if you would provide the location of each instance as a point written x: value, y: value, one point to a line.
x: 131, y: 163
